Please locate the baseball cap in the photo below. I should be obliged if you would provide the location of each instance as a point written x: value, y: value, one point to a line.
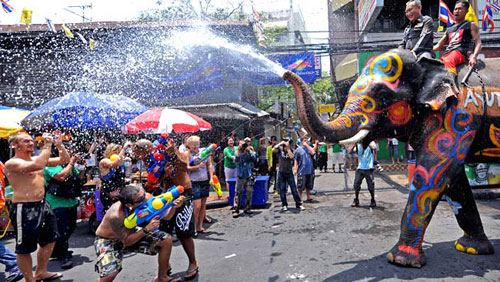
x: 247, y: 139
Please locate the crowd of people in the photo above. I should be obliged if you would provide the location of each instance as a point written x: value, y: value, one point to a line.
x: 47, y: 177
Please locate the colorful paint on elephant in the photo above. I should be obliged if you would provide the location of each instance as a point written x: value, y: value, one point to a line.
x: 360, y: 110
x: 449, y: 143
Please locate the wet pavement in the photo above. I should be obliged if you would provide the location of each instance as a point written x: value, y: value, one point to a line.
x: 329, y: 241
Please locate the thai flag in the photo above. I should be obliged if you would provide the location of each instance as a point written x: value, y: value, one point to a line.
x: 445, y: 15
x: 51, y: 25
x: 495, y: 7
x: 6, y: 7
x: 488, y: 18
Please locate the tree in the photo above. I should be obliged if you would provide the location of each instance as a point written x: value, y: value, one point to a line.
x: 184, y: 10
x: 322, y: 90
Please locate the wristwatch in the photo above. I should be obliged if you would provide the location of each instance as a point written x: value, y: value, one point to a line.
x: 147, y: 232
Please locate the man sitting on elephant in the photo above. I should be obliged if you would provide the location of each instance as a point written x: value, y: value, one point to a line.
x: 459, y: 39
x: 418, y: 35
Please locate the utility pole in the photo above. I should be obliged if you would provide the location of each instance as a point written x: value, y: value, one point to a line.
x: 83, y: 8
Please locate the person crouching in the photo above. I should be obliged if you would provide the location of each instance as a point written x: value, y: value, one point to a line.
x: 112, y: 237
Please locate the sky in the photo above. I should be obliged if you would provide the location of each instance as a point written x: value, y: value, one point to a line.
x: 314, y: 11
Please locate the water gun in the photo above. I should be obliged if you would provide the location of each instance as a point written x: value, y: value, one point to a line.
x: 156, y: 206
x: 203, y: 155
x: 158, y: 159
x: 216, y: 185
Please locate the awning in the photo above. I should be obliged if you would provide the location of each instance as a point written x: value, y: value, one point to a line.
x: 339, y: 4
x: 235, y: 110
x: 347, y: 68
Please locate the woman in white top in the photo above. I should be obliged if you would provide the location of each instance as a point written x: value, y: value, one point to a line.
x: 200, y: 176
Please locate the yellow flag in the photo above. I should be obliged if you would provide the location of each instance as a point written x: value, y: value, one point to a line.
x: 440, y: 28
x: 91, y: 44
x: 26, y: 16
x: 471, y: 15
x: 68, y: 32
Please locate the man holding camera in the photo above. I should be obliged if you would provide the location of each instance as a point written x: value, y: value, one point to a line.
x: 245, y: 159
x: 285, y: 174
x: 64, y: 185
x: 31, y: 215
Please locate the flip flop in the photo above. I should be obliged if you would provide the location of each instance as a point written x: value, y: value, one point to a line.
x: 192, y: 273
x: 53, y: 277
x: 203, y: 231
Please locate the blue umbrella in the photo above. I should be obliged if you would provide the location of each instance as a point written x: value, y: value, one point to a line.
x: 84, y: 110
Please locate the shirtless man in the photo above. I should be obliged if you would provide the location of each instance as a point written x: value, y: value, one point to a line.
x: 112, y: 237
x: 31, y: 215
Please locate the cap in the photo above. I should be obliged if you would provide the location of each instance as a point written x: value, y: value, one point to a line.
x: 247, y: 139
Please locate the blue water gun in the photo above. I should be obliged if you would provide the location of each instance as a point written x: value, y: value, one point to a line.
x: 203, y: 155
x: 158, y: 159
x: 156, y: 206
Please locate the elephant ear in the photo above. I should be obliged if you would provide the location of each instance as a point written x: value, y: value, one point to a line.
x: 437, y: 85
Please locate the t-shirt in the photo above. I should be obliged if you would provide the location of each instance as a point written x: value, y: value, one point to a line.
x: 323, y: 148
x: 304, y: 161
x: 228, y: 154
x: 394, y: 141
x: 285, y: 163
x: 269, y: 154
x: 262, y: 150
x: 55, y: 201
x: 336, y: 148
x: 365, y: 158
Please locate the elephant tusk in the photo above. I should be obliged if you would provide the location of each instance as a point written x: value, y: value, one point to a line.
x: 356, y: 138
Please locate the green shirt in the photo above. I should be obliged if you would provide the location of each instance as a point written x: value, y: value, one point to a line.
x: 228, y: 160
x: 323, y: 148
x: 55, y: 201
x: 336, y: 148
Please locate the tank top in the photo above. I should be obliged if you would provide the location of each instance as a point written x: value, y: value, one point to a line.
x: 459, y: 38
x: 199, y: 174
x: 114, y: 180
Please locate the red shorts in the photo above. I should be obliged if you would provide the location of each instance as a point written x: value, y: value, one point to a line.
x: 452, y: 60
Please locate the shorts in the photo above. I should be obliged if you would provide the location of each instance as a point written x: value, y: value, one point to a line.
x: 305, y: 181
x: 230, y: 173
x: 34, y: 223
x: 182, y: 221
x: 338, y: 158
x: 110, y: 251
x: 201, y: 189
x: 452, y: 59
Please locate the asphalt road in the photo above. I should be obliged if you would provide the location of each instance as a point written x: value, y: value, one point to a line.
x: 329, y: 241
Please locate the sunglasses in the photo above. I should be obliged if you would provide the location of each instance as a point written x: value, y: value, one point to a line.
x: 141, y: 200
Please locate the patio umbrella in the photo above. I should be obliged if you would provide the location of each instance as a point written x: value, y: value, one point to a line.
x: 84, y: 110
x: 165, y: 120
x: 10, y: 120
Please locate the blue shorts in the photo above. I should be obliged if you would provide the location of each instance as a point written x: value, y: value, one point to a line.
x: 201, y: 189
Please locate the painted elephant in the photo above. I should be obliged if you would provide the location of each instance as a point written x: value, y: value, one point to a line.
x: 418, y: 102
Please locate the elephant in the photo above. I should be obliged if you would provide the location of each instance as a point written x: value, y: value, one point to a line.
x: 418, y: 102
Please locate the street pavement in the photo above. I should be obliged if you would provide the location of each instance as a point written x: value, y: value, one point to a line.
x: 329, y: 241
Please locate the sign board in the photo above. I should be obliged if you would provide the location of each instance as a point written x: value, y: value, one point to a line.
x: 326, y: 108
x: 368, y: 11
x: 317, y: 65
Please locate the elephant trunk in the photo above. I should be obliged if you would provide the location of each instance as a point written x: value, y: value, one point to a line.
x: 324, y: 131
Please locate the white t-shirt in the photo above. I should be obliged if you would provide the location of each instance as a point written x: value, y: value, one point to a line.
x: 394, y: 141
x: 91, y: 160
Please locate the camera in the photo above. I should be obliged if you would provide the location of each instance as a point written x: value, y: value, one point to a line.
x: 244, y: 146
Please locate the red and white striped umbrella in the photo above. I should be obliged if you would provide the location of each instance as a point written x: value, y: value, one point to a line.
x: 165, y: 120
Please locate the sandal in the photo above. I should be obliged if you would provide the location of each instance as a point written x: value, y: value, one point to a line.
x: 190, y: 275
x: 54, y: 276
x: 203, y: 231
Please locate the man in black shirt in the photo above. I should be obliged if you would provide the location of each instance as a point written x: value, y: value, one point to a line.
x: 418, y: 36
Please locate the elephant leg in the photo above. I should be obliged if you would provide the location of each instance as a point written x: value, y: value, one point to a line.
x: 462, y: 202
x: 419, y: 210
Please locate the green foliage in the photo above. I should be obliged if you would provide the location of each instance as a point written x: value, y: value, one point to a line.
x: 274, y: 35
x: 322, y: 90
x: 184, y: 10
